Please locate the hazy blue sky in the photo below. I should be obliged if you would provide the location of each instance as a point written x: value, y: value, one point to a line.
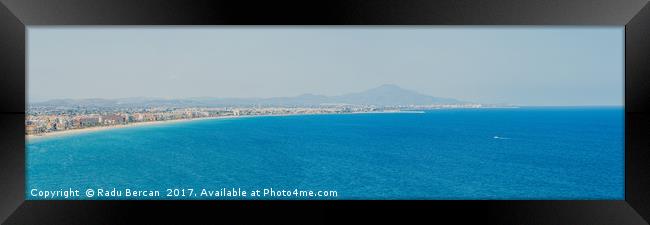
x: 493, y: 64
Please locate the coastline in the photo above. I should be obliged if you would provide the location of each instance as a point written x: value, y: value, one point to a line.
x: 102, y: 128
x: 94, y: 129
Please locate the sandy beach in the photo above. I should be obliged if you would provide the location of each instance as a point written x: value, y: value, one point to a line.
x: 93, y: 129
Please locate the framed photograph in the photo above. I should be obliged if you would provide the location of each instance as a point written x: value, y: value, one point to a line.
x: 505, y: 112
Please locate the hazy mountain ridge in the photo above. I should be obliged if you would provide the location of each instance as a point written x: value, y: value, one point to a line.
x: 392, y: 95
x: 385, y: 95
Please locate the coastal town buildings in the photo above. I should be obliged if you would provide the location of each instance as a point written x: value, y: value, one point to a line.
x: 41, y: 120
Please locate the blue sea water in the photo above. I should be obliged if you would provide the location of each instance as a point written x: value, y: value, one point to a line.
x: 520, y: 153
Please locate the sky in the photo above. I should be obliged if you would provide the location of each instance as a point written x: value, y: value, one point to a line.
x: 522, y: 65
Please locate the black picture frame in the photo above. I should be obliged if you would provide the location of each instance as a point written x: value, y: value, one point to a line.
x: 15, y: 15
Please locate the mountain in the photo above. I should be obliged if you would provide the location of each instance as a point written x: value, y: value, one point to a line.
x: 384, y: 95
x: 73, y: 102
x: 388, y: 95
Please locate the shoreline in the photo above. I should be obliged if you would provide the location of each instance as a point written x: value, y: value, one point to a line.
x: 103, y: 128
x: 110, y: 127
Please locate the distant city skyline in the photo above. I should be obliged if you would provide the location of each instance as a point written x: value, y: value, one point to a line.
x: 494, y: 64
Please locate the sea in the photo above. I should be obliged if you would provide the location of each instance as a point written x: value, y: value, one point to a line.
x: 562, y: 153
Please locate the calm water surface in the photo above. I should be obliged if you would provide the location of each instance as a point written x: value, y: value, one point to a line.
x: 524, y: 153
